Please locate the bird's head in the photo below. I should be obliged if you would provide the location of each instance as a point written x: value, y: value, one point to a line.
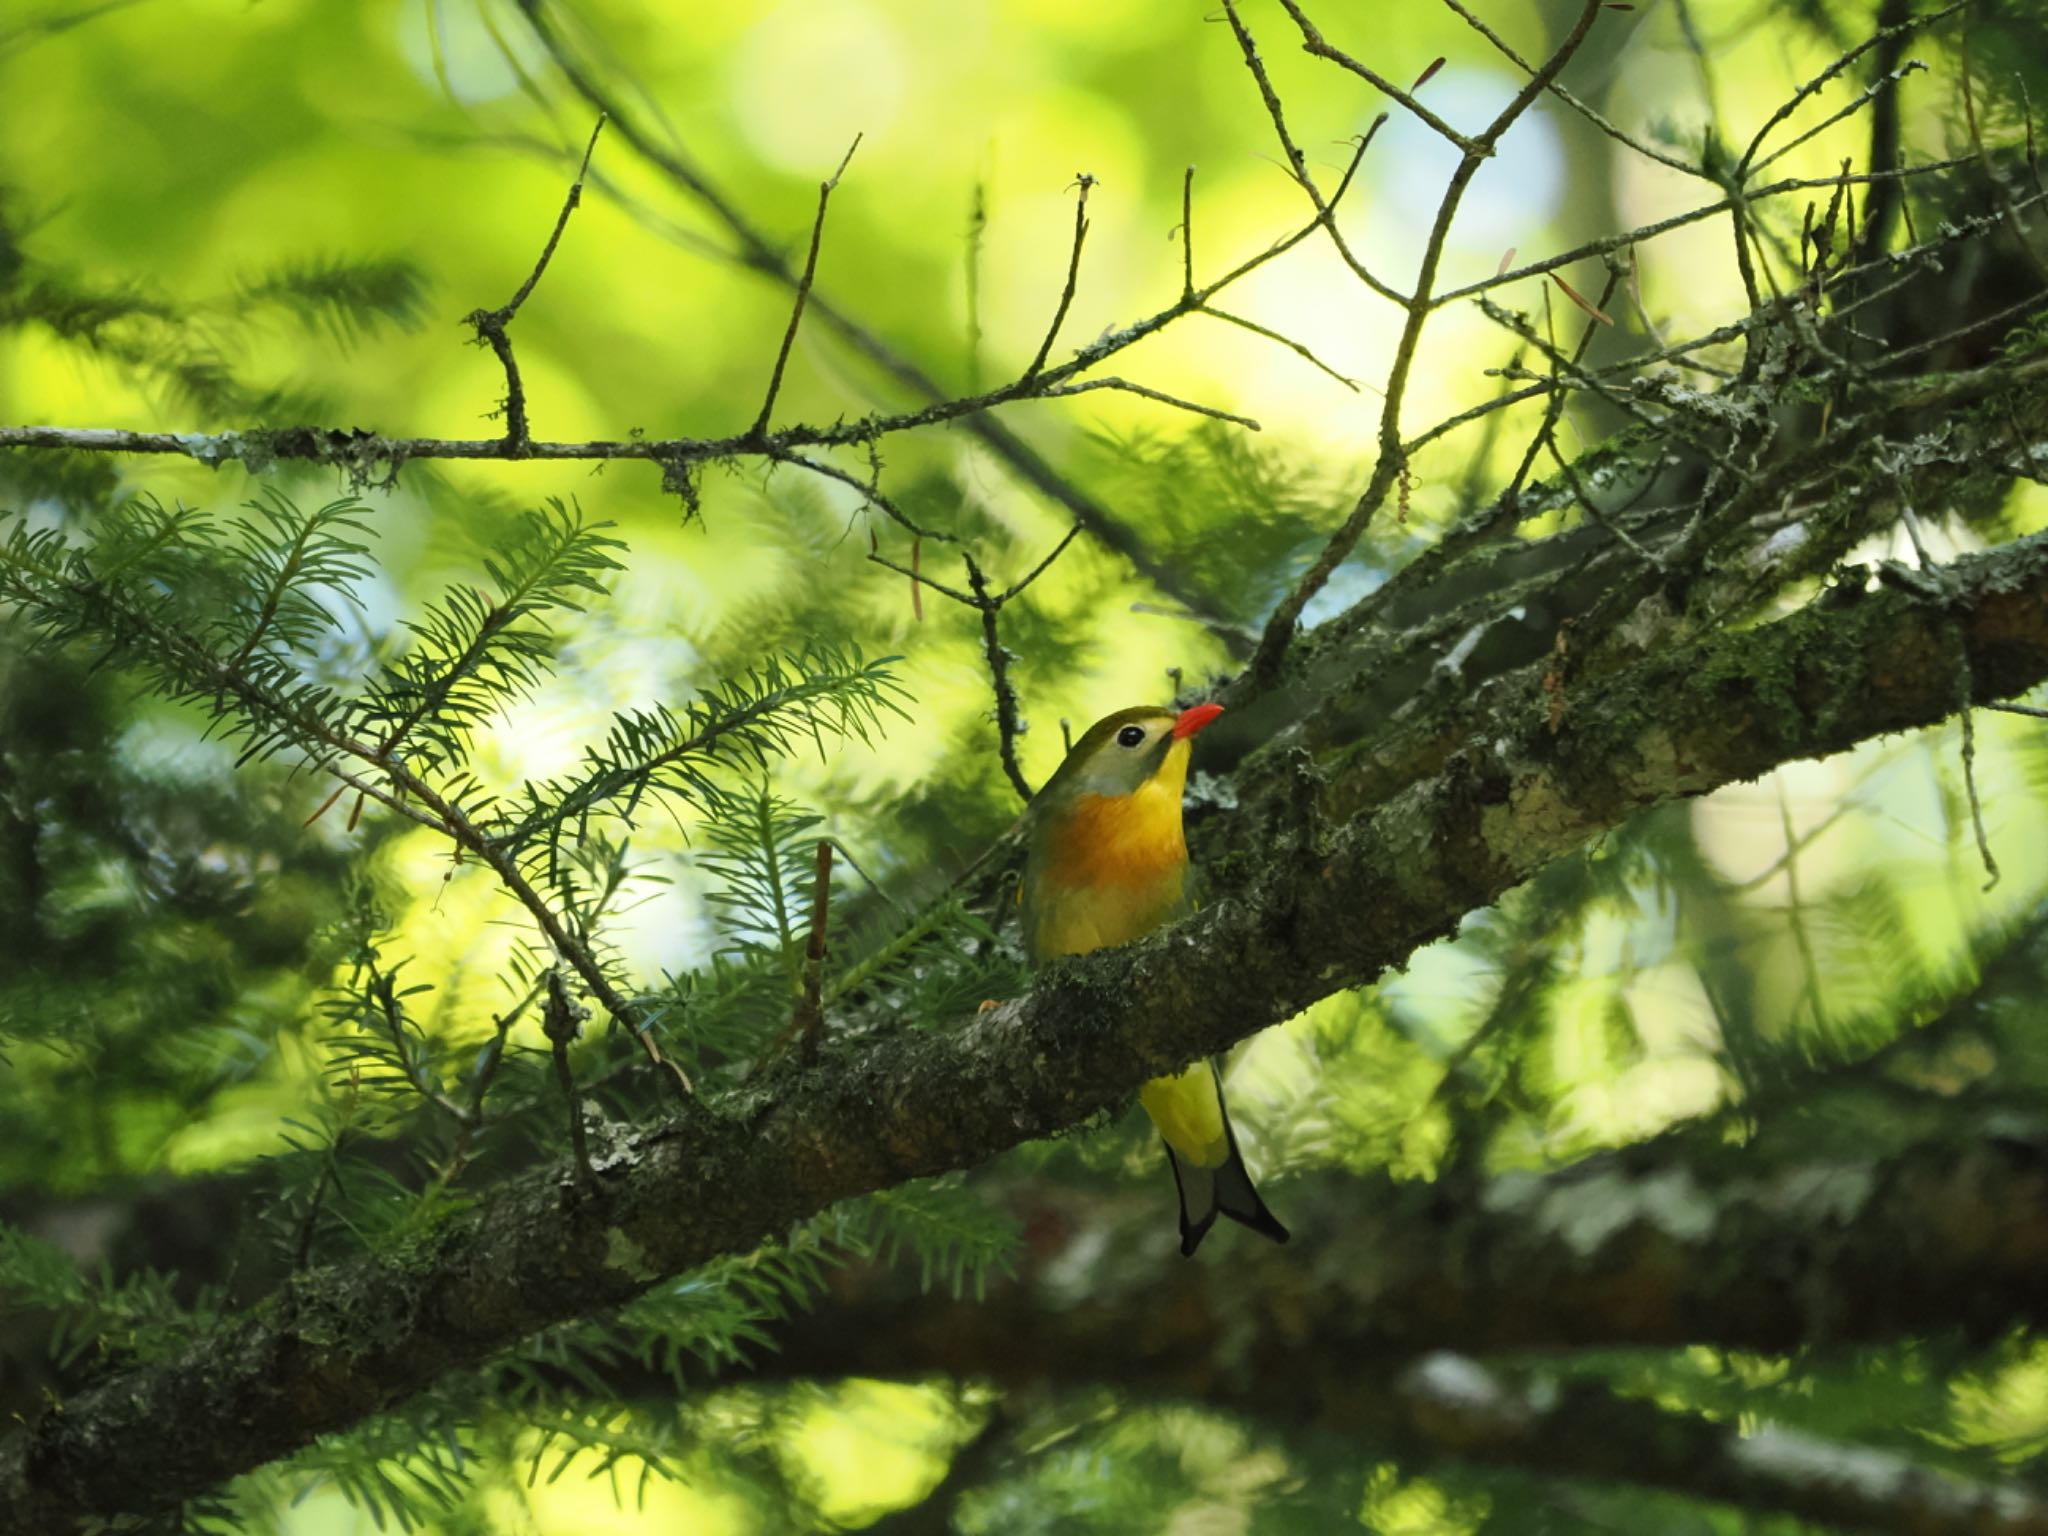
x: 1121, y: 753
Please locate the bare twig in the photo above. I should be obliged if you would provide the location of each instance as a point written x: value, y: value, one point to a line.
x: 1991, y: 875
x: 1391, y: 464
x: 977, y: 229
x: 562, y: 1019
x: 1112, y: 382
x: 1868, y: 95
x: 1187, y: 235
x: 491, y: 325
x: 870, y: 490
x: 1039, y: 569
x: 809, y: 1019
x: 966, y: 600
x: 1313, y: 41
x: 1584, y: 110
x: 1297, y: 164
x: 1286, y: 341
x: 1609, y: 243
x: 1835, y: 67
x: 1008, y: 725
x: 1085, y: 183
x: 989, y: 604
x: 803, y: 289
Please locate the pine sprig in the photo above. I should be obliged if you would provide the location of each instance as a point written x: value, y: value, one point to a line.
x: 763, y: 851
x: 685, y: 1328
x: 953, y: 1234
x: 819, y: 693
x: 347, y: 301
x: 291, y: 565
x: 136, y: 1317
x: 377, y: 1042
x: 150, y: 584
x: 154, y: 341
x: 403, y: 1470
x: 476, y: 650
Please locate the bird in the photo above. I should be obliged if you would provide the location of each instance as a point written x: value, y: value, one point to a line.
x: 1105, y: 863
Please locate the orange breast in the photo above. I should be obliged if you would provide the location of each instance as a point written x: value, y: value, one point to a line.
x: 1114, y: 870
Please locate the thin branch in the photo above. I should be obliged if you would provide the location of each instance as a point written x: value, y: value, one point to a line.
x: 964, y: 599
x: 1039, y: 569
x: 1841, y: 62
x: 1086, y: 183
x: 1607, y: 244
x: 1390, y: 465
x: 1008, y: 725
x: 1151, y: 394
x: 803, y: 290
x: 977, y: 229
x: 809, y: 1019
x: 491, y: 325
x: 1286, y: 341
x: 1313, y: 41
x: 1869, y: 94
x: 1187, y: 235
x: 1677, y: 353
x: 870, y: 491
x: 489, y: 1059
x: 562, y: 1020
x: 1584, y: 109
x: 1991, y: 874
x: 1297, y: 164
x: 990, y: 605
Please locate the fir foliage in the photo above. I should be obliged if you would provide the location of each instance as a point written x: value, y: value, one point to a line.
x: 231, y: 740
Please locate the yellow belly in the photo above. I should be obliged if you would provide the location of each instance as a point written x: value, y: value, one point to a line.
x: 1116, y: 869
x: 1188, y: 1111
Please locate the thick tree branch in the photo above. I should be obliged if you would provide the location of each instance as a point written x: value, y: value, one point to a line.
x: 1314, y: 1341
x: 1450, y: 1405
x: 338, y: 1344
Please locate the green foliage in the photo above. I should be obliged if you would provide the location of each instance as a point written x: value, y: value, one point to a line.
x: 761, y: 857
x: 953, y: 1234
x: 188, y: 352
x: 99, y: 1318
x: 345, y: 301
x: 807, y: 698
x: 1241, y: 517
x: 480, y: 649
x: 350, y: 1014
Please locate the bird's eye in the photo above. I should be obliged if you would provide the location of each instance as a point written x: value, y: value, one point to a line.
x: 1130, y: 736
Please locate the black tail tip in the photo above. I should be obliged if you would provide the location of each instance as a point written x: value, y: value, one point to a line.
x: 1266, y: 1225
x: 1262, y: 1221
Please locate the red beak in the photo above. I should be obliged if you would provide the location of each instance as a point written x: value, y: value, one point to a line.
x: 1192, y: 720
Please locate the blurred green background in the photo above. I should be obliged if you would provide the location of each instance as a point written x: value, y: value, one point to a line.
x: 167, y: 165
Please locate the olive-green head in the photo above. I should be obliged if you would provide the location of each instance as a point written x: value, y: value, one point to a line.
x: 1121, y: 752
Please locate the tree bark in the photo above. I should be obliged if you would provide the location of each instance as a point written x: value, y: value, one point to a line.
x: 1329, y: 911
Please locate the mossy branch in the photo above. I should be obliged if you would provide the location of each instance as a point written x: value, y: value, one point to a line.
x: 342, y: 1343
